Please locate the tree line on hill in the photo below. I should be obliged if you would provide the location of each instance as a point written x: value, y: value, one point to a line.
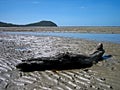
x: 41, y: 23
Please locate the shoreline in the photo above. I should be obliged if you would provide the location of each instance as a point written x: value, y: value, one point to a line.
x: 81, y: 29
x: 15, y: 48
x: 66, y: 35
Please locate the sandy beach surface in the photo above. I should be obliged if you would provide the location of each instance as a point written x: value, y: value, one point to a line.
x: 13, y: 48
x: 81, y: 29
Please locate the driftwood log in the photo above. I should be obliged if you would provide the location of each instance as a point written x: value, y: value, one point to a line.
x: 63, y: 61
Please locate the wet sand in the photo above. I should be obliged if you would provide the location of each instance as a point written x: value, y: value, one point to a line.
x: 13, y: 48
x: 81, y: 29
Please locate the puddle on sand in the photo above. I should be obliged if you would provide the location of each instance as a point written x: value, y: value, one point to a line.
x: 22, y: 49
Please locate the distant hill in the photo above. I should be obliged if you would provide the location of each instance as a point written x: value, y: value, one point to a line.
x: 2, y: 24
x: 41, y: 23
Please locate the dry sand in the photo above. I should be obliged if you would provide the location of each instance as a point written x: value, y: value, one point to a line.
x: 14, y: 48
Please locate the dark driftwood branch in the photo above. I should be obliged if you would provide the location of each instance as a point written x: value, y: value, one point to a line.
x: 62, y: 61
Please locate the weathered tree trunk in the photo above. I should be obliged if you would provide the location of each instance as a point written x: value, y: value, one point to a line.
x: 62, y: 61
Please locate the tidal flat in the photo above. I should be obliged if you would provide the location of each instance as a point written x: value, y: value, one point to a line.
x: 14, y: 48
x: 81, y: 29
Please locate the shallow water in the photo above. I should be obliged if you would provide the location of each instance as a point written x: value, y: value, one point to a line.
x: 115, y: 38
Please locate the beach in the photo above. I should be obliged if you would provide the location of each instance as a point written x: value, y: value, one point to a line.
x: 14, y: 48
x: 80, y: 29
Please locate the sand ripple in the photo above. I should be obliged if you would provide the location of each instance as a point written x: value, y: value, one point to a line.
x: 14, y: 48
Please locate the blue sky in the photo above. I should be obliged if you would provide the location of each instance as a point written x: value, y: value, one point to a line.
x: 62, y: 12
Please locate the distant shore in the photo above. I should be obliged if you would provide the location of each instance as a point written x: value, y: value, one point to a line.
x: 81, y: 29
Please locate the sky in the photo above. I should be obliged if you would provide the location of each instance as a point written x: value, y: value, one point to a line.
x: 62, y: 12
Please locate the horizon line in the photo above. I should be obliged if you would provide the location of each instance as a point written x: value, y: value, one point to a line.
x: 63, y: 25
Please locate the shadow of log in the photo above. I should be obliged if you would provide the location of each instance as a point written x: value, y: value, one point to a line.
x: 38, y: 67
x: 62, y: 61
x: 105, y: 57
